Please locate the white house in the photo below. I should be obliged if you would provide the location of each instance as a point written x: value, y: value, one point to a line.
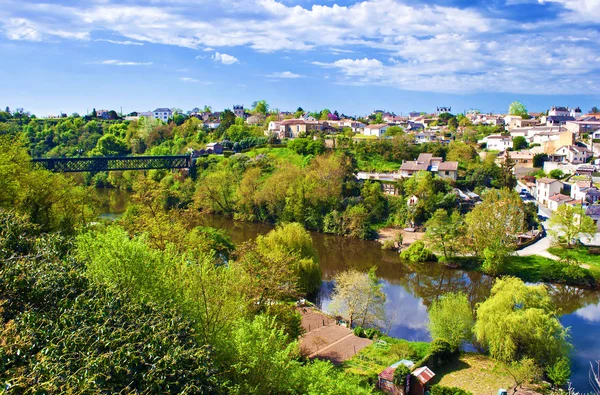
x: 375, y: 130
x: 556, y: 111
x: 162, y: 113
x: 572, y: 154
x: 546, y: 187
x: 558, y: 199
x: 497, y: 142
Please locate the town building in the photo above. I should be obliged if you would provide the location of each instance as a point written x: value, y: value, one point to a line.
x: 571, y: 154
x: 545, y: 188
x: 558, y: 199
x: 497, y: 142
x: 585, y: 192
x: 428, y: 162
x: 162, y: 113
x: 238, y: 110
x: 375, y: 130
x: 557, y: 111
x: 214, y: 148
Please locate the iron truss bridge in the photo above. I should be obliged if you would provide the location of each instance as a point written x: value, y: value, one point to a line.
x: 113, y: 163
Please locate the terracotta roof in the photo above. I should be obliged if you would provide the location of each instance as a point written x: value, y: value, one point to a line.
x: 378, y: 126
x: 546, y: 180
x: 387, y: 374
x: 423, y: 374
x: 445, y: 166
x: 559, y: 197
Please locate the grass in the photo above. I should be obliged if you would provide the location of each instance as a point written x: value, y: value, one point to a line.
x: 536, y: 268
x: 285, y: 154
x: 579, y: 254
x: 475, y: 373
x: 375, y: 162
x: 371, y: 360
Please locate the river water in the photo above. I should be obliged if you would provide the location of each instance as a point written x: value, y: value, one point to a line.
x: 410, y: 289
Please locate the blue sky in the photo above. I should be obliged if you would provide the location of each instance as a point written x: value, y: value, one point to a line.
x: 354, y: 57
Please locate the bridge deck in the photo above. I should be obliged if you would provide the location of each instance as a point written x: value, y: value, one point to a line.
x: 113, y: 163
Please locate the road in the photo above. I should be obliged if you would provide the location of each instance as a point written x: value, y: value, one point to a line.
x: 541, y: 246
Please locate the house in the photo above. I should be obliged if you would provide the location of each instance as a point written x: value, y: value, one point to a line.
x: 423, y: 376
x: 238, y: 110
x: 162, y: 113
x: 102, y: 114
x: 442, y: 110
x: 253, y: 120
x: 375, y: 130
x: 497, y: 142
x: 558, y: 120
x: 425, y: 137
x: 558, y: 199
x: 593, y: 211
x: 575, y: 113
x: 583, y: 125
x: 212, y: 124
x: 585, y: 191
x: 571, y: 154
x: 355, y: 126
x: 427, y: 162
x: 307, y: 117
x: 523, y: 159
x: 559, y: 111
x: 214, y: 148
x: 546, y: 187
x: 292, y: 128
x: 522, y: 123
x: 412, y: 201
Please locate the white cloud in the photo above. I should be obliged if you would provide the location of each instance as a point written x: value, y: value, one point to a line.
x: 284, y: 74
x: 188, y: 79
x: 126, y: 42
x: 425, y: 47
x: 224, y: 58
x: 114, y: 62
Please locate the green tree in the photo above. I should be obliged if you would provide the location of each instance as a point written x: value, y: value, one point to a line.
x: 358, y: 297
x: 324, y: 115
x: 517, y: 108
x: 519, y: 143
x: 394, y: 131
x: 487, y: 225
x: 560, y: 372
x: 525, y: 371
x: 444, y: 233
x: 507, y: 177
x: 570, y: 223
x: 261, y: 107
x: 519, y: 321
x: 451, y: 318
x: 557, y: 174
x: 110, y: 145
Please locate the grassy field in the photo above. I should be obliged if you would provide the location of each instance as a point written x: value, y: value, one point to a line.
x: 475, y: 373
x: 536, y: 268
x: 376, y: 163
x: 579, y: 254
x: 284, y: 154
x: 371, y: 360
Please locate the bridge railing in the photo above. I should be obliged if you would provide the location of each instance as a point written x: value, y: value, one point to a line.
x: 113, y: 163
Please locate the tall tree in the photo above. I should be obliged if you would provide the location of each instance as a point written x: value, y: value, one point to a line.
x: 358, y: 297
x: 517, y: 108
x: 519, y: 321
x: 571, y: 223
x: 507, y: 177
x: 451, y: 319
x: 444, y: 233
x: 493, y: 225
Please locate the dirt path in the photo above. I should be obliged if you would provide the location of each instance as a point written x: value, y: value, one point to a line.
x: 407, y: 237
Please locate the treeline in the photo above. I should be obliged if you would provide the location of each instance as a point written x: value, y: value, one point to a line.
x: 151, y: 304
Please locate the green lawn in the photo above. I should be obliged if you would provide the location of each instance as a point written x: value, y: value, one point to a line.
x: 377, y: 163
x: 476, y: 373
x: 580, y: 254
x: 536, y: 268
x: 284, y: 154
x: 371, y: 360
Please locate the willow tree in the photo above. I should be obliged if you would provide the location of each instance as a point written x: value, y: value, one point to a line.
x: 517, y: 108
x: 519, y: 321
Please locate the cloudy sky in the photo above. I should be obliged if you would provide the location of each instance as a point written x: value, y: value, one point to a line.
x: 397, y: 55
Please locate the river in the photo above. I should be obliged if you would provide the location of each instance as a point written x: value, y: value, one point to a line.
x: 411, y: 288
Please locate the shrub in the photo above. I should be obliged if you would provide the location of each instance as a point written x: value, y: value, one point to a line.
x: 440, y: 353
x: 372, y: 332
x: 359, y: 331
x: 560, y: 371
x: 403, y: 350
x: 417, y: 252
x: 389, y: 245
x: 442, y: 390
x: 400, y: 375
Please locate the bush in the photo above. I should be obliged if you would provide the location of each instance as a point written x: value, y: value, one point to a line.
x: 560, y: 371
x: 441, y: 390
x: 440, y: 354
x: 389, y: 245
x: 417, y: 252
x: 400, y: 375
x: 359, y: 331
x: 403, y: 351
x: 372, y: 332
